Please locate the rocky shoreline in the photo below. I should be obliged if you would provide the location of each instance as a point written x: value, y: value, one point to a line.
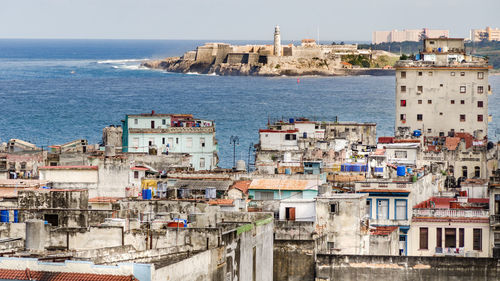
x: 305, y: 67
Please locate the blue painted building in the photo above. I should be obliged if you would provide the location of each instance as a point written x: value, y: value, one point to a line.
x: 278, y: 189
x: 172, y: 133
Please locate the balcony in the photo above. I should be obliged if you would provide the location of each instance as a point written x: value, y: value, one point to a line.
x: 451, y: 213
x: 389, y: 222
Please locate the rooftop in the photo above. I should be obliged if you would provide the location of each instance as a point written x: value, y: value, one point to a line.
x: 283, y: 184
x: 11, y: 274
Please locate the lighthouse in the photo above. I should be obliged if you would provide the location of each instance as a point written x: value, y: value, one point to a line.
x: 277, y: 41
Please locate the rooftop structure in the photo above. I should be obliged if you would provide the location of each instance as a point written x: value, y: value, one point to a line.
x: 172, y: 133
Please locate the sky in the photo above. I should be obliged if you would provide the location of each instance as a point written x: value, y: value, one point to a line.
x: 347, y: 20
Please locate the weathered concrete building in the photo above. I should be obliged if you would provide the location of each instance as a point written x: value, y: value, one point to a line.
x: 444, y: 91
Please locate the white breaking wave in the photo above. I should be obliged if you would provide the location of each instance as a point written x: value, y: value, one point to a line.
x: 201, y: 74
x: 120, y: 61
x: 137, y: 66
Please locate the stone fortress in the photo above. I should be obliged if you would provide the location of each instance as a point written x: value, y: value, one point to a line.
x: 309, y: 58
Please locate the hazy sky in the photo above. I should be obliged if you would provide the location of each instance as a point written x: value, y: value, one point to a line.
x: 235, y: 19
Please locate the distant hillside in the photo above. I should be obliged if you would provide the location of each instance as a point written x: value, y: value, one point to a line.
x: 484, y: 48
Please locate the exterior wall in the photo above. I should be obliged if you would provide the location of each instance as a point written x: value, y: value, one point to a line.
x: 305, y: 210
x: 286, y: 194
x: 411, y: 154
x: 441, y: 116
x: 382, y: 268
x: 345, y: 227
x: 70, y: 175
x: 276, y: 141
x: 432, y: 244
x: 385, y: 245
x: 206, y: 267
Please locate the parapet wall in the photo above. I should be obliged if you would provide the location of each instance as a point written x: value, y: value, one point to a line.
x: 347, y: 268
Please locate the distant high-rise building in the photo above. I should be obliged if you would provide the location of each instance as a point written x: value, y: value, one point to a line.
x: 407, y: 35
x: 488, y: 34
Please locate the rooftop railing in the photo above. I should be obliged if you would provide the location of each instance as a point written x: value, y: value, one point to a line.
x: 451, y: 213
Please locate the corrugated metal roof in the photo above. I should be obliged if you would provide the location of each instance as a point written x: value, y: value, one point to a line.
x: 284, y: 184
x: 203, y: 184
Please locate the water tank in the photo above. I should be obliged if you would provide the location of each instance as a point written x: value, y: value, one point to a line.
x: 379, y: 169
x: 356, y: 168
x: 16, y: 216
x: 35, y: 235
x: 109, y: 151
x: 417, y: 133
x: 323, y: 189
x: 417, y: 57
x: 409, y: 171
x: 445, y: 49
x: 288, y: 171
x: 439, y: 50
x: 401, y: 171
x: 146, y: 194
x: 291, y: 120
x: 240, y: 165
x: 4, y: 216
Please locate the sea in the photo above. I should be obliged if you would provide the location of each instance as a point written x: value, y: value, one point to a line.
x: 55, y: 91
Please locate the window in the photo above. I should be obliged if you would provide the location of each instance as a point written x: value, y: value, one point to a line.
x: 461, y: 237
x: 450, y: 237
x: 452, y: 73
x: 23, y: 165
x: 162, y: 140
x: 334, y: 208
x: 480, y: 89
x: 440, y: 85
x: 403, y: 89
x: 480, y: 75
x: 290, y: 137
x: 369, y: 208
x: 382, y: 209
x: 164, y: 121
x: 429, y: 101
x: 477, y: 172
x: 429, y: 130
x: 151, y: 141
x: 401, y: 154
x: 430, y: 73
x: 420, y: 117
x: 403, y: 74
x: 424, y: 238
x: 53, y: 219
x: 202, y: 163
x: 202, y: 142
x: 439, y: 237
x: 476, y: 239
x: 402, y: 117
x: 419, y: 101
x: 462, y: 101
x: 462, y: 117
x: 403, y: 103
x: 480, y: 103
x: 401, y: 210
x: 452, y: 101
x: 189, y: 142
x: 440, y: 113
x: 136, y: 174
x: 290, y: 213
x: 176, y: 140
x: 136, y: 121
x: 464, y: 171
x: 152, y: 124
x: 420, y: 89
x: 264, y: 195
x: 462, y: 89
x: 462, y: 73
x: 480, y: 118
x: 420, y: 73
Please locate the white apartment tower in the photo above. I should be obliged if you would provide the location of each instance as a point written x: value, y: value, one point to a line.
x: 277, y: 41
x: 442, y: 91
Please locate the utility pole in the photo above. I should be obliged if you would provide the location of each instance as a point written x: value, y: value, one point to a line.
x: 234, y: 140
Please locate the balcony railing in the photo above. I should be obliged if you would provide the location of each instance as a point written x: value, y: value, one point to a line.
x: 453, y: 213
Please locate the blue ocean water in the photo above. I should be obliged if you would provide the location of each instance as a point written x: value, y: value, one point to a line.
x: 55, y: 91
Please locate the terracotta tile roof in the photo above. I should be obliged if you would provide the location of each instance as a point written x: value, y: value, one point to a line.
x: 383, y: 230
x: 452, y: 143
x: 11, y: 274
x: 222, y: 202
x: 446, y: 203
x: 406, y: 141
x: 76, y: 167
x: 279, y: 184
x: 467, y: 137
x: 104, y: 199
x: 379, y: 151
x: 242, y: 186
x: 385, y: 139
